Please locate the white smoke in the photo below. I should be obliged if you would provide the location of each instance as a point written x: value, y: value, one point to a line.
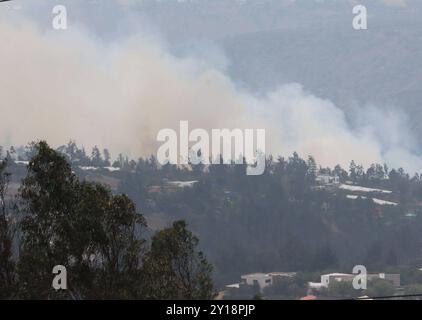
x: 68, y: 85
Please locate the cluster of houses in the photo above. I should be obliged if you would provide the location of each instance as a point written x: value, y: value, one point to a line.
x: 260, y: 281
x: 353, y: 192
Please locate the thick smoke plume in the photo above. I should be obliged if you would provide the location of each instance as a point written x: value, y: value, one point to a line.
x: 69, y: 85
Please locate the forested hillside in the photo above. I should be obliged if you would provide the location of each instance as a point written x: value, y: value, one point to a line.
x: 288, y: 219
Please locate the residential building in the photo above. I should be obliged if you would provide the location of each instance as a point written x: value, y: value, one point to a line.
x: 263, y: 280
x: 326, y: 279
x: 327, y: 179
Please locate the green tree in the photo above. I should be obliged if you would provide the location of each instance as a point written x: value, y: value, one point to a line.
x: 7, y: 264
x: 312, y: 169
x: 82, y: 226
x: 174, y: 269
x: 96, y: 158
x: 413, y: 289
x: 342, y: 289
x: 113, y: 229
x: 49, y: 203
x: 380, y: 288
x: 288, y: 287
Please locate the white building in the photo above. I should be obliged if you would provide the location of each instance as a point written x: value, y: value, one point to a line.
x: 264, y: 280
x: 326, y: 179
x: 326, y: 279
x: 182, y: 184
x: 260, y: 279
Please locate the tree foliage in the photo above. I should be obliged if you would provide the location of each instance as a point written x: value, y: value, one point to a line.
x: 174, y: 268
x: 7, y: 224
x: 98, y: 236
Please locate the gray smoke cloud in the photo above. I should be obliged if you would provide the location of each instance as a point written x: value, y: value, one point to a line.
x: 70, y: 85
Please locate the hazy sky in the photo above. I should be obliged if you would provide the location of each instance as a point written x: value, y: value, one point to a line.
x: 119, y: 74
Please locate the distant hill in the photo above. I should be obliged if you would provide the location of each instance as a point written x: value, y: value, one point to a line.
x: 379, y: 66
